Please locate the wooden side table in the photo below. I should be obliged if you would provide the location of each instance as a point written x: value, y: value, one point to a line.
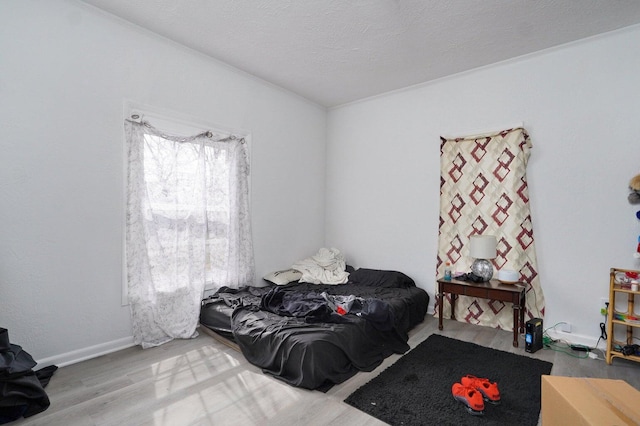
x: 493, y: 290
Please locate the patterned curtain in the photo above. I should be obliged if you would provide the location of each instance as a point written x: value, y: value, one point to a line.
x: 483, y: 190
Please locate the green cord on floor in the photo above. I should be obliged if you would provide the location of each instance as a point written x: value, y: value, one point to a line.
x: 561, y: 346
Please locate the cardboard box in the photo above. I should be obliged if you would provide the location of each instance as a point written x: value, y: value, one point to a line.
x: 587, y: 401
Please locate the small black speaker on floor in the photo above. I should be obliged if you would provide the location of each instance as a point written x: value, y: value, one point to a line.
x: 533, y: 336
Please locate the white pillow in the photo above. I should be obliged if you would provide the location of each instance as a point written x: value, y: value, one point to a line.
x: 283, y: 277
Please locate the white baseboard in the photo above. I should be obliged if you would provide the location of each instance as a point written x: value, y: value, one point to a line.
x: 572, y: 338
x: 576, y: 339
x: 86, y: 353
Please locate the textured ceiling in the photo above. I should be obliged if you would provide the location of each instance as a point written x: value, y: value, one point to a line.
x: 337, y: 51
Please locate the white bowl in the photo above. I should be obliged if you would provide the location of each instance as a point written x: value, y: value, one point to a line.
x: 508, y: 276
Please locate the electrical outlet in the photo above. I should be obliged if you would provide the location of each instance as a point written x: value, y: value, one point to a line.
x: 603, y: 306
x: 565, y: 327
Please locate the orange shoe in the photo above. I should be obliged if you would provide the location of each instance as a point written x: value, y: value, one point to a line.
x: 487, y: 388
x: 470, y: 397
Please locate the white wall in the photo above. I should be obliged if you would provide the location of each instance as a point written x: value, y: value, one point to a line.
x: 581, y: 106
x: 65, y: 71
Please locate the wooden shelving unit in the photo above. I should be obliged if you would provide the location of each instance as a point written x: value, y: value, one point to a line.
x: 614, y: 322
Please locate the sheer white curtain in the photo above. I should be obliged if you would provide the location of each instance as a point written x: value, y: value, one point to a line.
x: 187, y: 225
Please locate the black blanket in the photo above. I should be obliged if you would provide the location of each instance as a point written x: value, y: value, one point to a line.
x: 21, y: 389
x: 316, y: 335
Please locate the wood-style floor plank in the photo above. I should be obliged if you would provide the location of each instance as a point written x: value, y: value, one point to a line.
x: 201, y: 381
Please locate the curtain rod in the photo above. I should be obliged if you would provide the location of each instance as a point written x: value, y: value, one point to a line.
x: 519, y: 125
x: 137, y: 118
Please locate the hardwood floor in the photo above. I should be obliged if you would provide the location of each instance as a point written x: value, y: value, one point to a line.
x: 203, y: 382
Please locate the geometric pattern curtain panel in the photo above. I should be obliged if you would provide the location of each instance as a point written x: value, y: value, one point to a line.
x: 483, y: 190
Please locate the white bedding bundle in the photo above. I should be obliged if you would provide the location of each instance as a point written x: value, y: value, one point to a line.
x: 325, y: 267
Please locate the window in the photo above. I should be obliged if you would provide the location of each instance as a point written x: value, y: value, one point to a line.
x: 182, y: 170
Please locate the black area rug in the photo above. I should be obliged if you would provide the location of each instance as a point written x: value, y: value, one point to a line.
x: 416, y: 390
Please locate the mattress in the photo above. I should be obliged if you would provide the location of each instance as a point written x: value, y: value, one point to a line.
x: 216, y: 316
x: 299, y: 334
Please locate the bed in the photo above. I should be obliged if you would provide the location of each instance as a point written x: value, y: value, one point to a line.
x: 316, y: 335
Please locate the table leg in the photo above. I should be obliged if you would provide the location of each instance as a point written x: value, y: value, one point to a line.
x: 440, y: 296
x: 516, y: 323
x: 523, y: 306
x: 454, y: 297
